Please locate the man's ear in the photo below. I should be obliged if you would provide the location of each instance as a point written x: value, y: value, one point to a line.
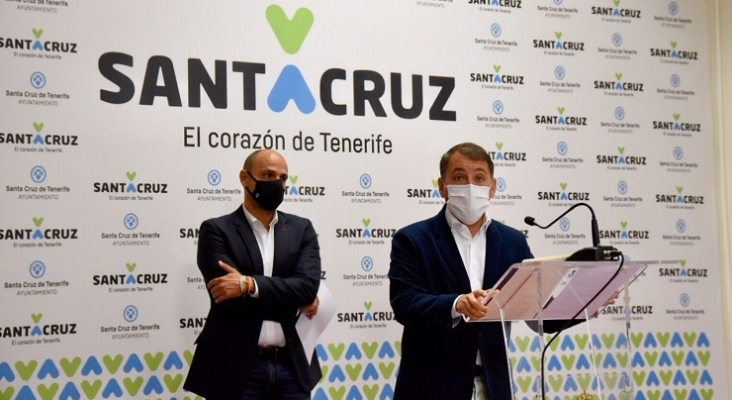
x: 442, y: 188
x: 243, y: 177
x: 492, y: 192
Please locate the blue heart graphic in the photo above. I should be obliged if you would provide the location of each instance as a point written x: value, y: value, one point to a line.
x: 570, y: 385
x: 583, y: 362
x: 622, y: 341
x: 173, y: 361
x: 321, y: 353
x: 595, y: 382
x: 25, y: 393
x: 703, y: 340
x: 370, y: 372
x: 353, y: 351
x: 6, y: 372
x: 36, y: 331
x: 596, y: 342
x: 153, y: 385
x: 91, y: 365
x: 567, y: 343
x: 679, y: 378
x: 638, y: 360
x: 650, y: 341
x: 523, y: 365
x: 354, y: 394
x: 290, y: 85
x: 386, y: 351
x: 48, y: 368
x: 664, y: 360
x: 554, y: 364
x: 653, y: 379
x: 535, y: 346
x: 609, y: 361
x: 320, y: 394
x: 387, y: 392
x: 70, y: 392
x: 38, y: 140
x: 337, y: 374
x: 512, y: 346
x: 667, y: 395
x: 706, y: 378
x: 676, y: 340
x: 112, y: 388
x: 133, y: 363
x: 691, y: 359
x: 694, y: 395
x: 640, y: 395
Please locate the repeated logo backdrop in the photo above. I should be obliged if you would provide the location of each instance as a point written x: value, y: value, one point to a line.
x: 126, y: 123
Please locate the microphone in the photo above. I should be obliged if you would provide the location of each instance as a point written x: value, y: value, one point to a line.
x: 594, y: 253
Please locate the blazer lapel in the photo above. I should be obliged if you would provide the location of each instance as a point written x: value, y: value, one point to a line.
x: 493, y: 250
x: 250, y: 243
x: 449, y: 251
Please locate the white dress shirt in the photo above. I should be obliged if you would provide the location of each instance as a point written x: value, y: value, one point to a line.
x: 271, y: 333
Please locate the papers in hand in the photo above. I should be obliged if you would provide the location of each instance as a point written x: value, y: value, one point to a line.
x: 309, y: 330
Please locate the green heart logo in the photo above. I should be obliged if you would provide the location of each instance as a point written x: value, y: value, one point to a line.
x: 7, y: 394
x: 47, y: 392
x: 536, y: 362
x: 188, y: 355
x: 663, y: 338
x: 38, y: 221
x: 366, y: 221
x: 692, y: 376
x: 561, y: 110
x: 639, y: 377
x: 112, y: 364
x: 568, y: 361
x: 622, y: 359
x: 636, y: 338
x: 683, y: 262
x: 36, y: 317
x: 337, y: 393
x: 497, y: 68
x: 153, y: 361
x: 131, y: 175
x: 70, y: 367
x: 398, y: 347
x: 678, y: 357
x: 555, y: 344
x: 618, y: 76
x: 131, y: 266
x: 291, y: 33
x: 584, y: 381
x: 434, y: 183
x: 558, y: 35
x: 555, y: 381
x: 563, y: 185
x: 522, y: 343
x: 621, y: 149
x: 654, y: 394
x: 91, y: 389
x: 37, y: 33
x: 611, y: 380
x: 616, y: 2
x: 499, y: 145
x: 371, y: 391
x: 38, y: 126
x: 524, y: 382
x: 598, y: 359
x: 353, y: 371
x: 369, y: 348
x: 673, y: 44
x: 690, y: 338
x: 707, y: 394
x: 680, y: 393
x: 676, y: 117
x: 336, y: 351
x: 323, y: 373
x: 624, y: 224
x: 26, y: 370
x: 368, y: 305
x: 651, y: 357
x: 666, y: 376
x: 132, y: 386
x: 704, y: 357
x: 173, y: 382
x: 581, y: 341
x: 386, y: 369
x: 293, y: 179
x: 679, y: 189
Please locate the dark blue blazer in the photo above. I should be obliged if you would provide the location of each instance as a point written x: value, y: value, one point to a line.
x: 227, y: 344
x: 426, y: 276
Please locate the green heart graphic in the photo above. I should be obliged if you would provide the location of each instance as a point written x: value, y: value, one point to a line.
x: 132, y: 386
x: 707, y: 394
x: 7, y: 394
x: 618, y: 76
x: 366, y: 221
x: 621, y: 149
x: 693, y: 376
x: 616, y: 2
x: 568, y: 361
x: 611, y: 380
x: 368, y: 305
x: 70, y: 367
x: 370, y: 349
x: 563, y: 185
x: 679, y: 189
x: 555, y: 381
x: 581, y: 341
x: 173, y: 382
x: 337, y: 393
x: 188, y: 355
x: 597, y: 359
x: 398, y: 347
x: 47, y: 392
x: 336, y: 351
x: 663, y: 338
x: 434, y: 183
x: 112, y: 364
x: 651, y: 357
x: 131, y: 175
x: 91, y: 389
x: 499, y: 145
x: 639, y: 377
x: 38, y: 126
x: 38, y: 221
x: 678, y: 357
x: 293, y: 179
x: 386, y: 369
x: 690, y: 338
x: 673, y: 44
x: 608, y: 340
x: 536, y: 362
x: 370, y: 391
x: 26, y: 370
x: 522, y: 343
x: 561, y: 110
x: 37, y: 33
x: 584, y: 381
x: 524, y: 382
x: 131, y: 266
x: 666, y: 376
x: 353, y: 371
x: 622, y: 359
x: 555, y: 344
x: 624, y: 224
x: 704, y: 357
x: 626, y: 396
x: 654, y: 394
x: 636, y: 339
x: 153, y: 361
x: 682, y: 262
x: 677, y: 116
x: 497, y: 68
x: 558, y: 35
x: 680, y: 393
x: 36, y: 317
x: 323, y: 373
x: 291, y: 33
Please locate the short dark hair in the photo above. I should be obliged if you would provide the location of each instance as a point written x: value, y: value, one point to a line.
x: 250, y: 159
x: 468, y: 149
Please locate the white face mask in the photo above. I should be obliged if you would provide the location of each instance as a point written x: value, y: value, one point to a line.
x: 468, y: 202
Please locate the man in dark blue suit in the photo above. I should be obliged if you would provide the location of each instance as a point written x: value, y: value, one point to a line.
x: 262, y: 268
x: 441, y: 270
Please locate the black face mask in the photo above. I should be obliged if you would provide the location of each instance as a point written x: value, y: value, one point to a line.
x: 268, y: 194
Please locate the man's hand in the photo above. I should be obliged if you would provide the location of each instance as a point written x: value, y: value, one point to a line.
x: 227, y: 286
x: 311, y: 310
x: 473, y: 304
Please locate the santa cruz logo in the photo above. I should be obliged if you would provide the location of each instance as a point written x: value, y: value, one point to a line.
x: 38, y: 233
x: 616, y: 11
x: 621, y: 159
x: 683, y: 272
x: 497, y: 77
x: 425, y: 193
x: 37, y: 329
x: 129, y: 278
x: 37, y: 44
x: 368, y: 315
x: 564, y: 195
x: 560, y: 119
x: 503, y: 156
x: 302, y: 190
x: 625, y: 233
x: 131, y: 186
x: 618, y: 85
x: 677, y: 125
x: 679, y: 198
x: 39, y: 139
x: 365, y: 232
x: 674, y: 53
x: 498, y: 3
x: 558, y: 44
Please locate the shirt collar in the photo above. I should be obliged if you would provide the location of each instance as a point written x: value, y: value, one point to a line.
x: 253, y: 220
x: 455, y: 224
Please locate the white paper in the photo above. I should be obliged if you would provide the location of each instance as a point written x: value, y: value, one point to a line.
x: 310, y: 330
